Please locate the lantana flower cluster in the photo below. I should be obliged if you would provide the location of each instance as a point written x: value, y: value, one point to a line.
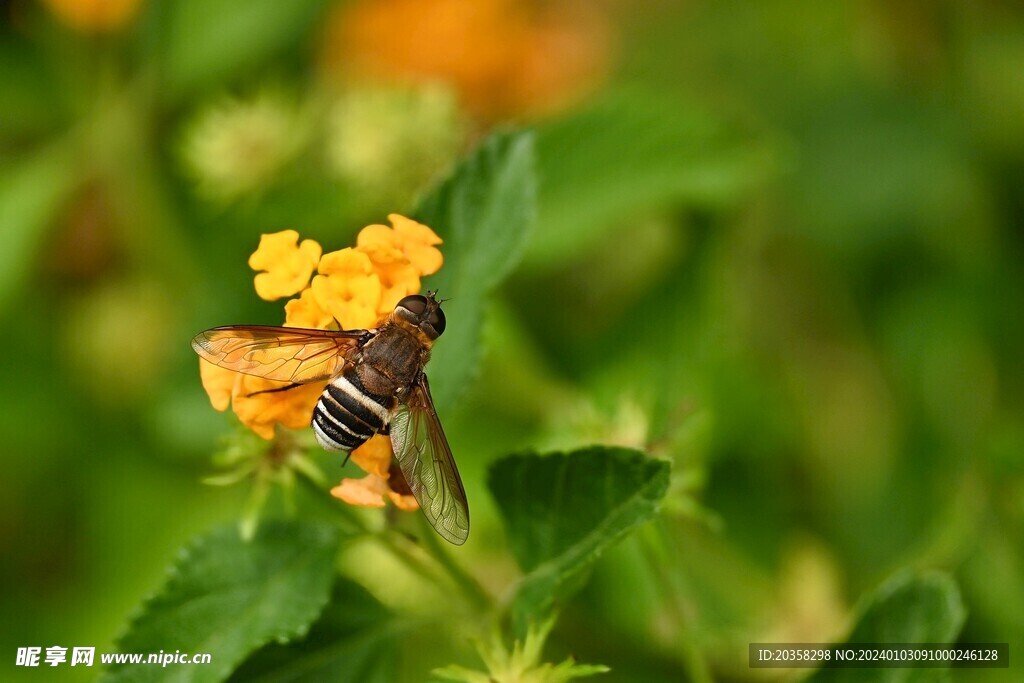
x: 352, y: 288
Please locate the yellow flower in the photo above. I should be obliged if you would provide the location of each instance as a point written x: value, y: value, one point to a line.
x: 94, y: 16
x: 219, y: 384
x: 415, y: 240
x: 261, y: 411
x: 399, y: 257
x: 355, y: 288
x: 348, y: 289
x: 258, y: 411
x: 397, y: 276
x: 370, y: 492
x: 374, y: 456
x: 287, y: 263
x: 306, y: 312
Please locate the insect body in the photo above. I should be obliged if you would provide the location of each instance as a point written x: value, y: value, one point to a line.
x: 376, y: 385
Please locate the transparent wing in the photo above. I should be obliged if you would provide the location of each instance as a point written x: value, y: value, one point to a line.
x: 426, y: 460
x: 283, y: 354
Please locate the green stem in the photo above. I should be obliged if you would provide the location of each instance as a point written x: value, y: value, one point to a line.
x: 399, y: 547
x: 442, y: 571
x: 473, y: 591
x: 653, y: 542
x: 342, y: 515
x: 404, y: 551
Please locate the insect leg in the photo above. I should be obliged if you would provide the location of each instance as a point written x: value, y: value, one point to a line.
x: 274, y: 391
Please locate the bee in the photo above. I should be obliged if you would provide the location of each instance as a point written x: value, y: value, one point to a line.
x: 375, y: 385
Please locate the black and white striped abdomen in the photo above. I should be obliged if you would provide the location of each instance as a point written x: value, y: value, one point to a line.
x: 347, y: 414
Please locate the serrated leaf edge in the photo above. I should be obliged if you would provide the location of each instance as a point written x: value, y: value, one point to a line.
x: 651, y: 494
x: 173, y: 576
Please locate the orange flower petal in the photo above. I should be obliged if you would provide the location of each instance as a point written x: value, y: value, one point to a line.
x: 399, y: 256
x: 398, y: 278
x: 306, y: 312
x: 377, y: 234
x: 348, y: 289
x: 411, y: 231
x: 374, y: 456
x: 390, y: 297
x: 287, y: 263
x: 505, y: 57
x: 218, y: 383
x: 418, y: 242
x: 467, y: 44
x: 371, y: 491
x: 345, y: 262
x: 366, y: 492
x: 261, y: 411
x: 414, y: 241
x: 381, y: 253
x: 403, y: 502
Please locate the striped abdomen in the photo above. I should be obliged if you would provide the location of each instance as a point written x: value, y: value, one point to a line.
x: 347, y: 414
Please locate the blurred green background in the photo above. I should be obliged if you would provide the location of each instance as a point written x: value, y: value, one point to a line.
x: 779, y: 243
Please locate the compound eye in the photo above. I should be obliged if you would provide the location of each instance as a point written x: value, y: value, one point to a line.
x: 437, y: 321
x: 415, y: 304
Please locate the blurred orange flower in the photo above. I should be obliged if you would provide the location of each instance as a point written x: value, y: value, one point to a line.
x: 94, y: 16
x: 355, y: 288
x: 505, y: 57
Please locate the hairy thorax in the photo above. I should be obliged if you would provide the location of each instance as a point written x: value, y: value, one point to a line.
x: 391, y: 360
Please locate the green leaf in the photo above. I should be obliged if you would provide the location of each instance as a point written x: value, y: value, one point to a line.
x: 562, y: 511
x: 30, y: 194
x: 207, y: 41
x: 627, y: 154
x: 354, y: 640
x: 227, y: 597
x: 483, y: 213
x: 911, y: 607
